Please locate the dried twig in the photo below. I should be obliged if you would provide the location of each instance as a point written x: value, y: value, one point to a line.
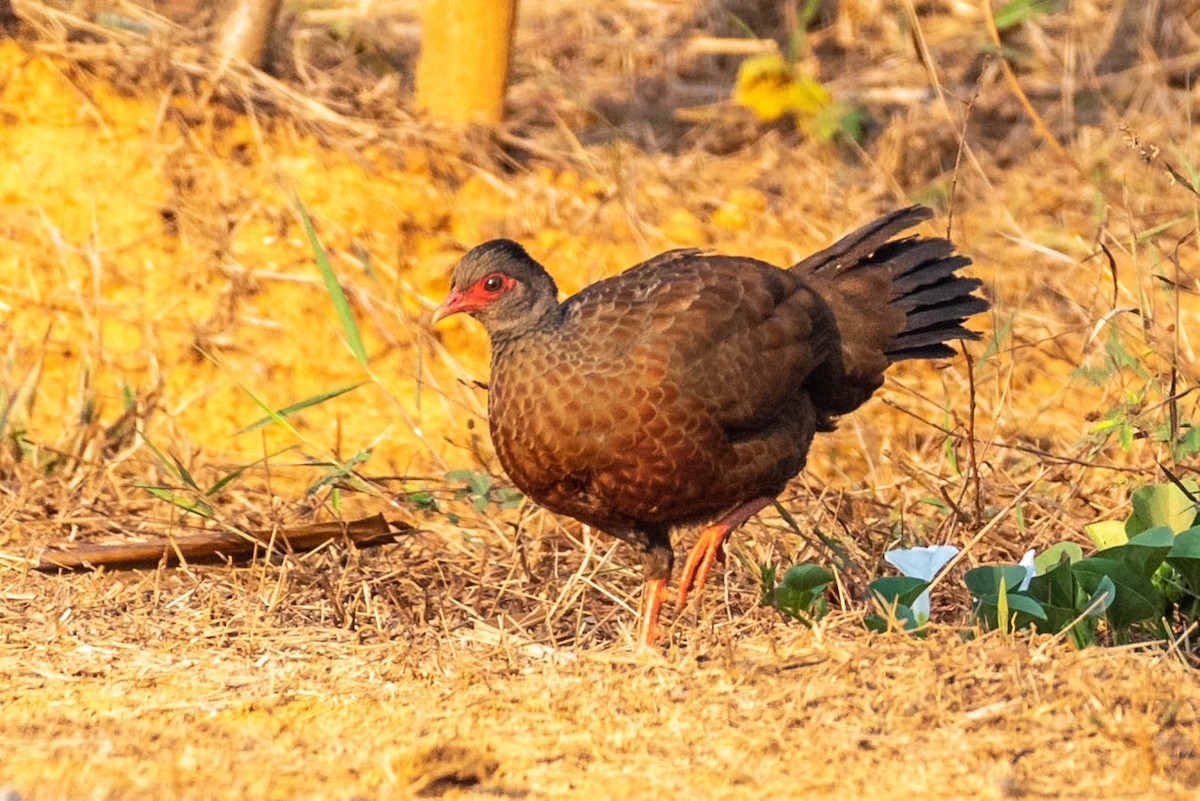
x: 220, y: 546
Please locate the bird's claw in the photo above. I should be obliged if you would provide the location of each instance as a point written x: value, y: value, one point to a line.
x: 653, y: 594
x: 708, y: 548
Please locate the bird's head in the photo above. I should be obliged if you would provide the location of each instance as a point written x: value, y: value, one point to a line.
x: 499, y: 285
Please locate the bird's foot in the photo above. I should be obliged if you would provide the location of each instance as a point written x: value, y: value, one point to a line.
x: 709, y: 546
x: 654, y: 592
x: 700, y: 558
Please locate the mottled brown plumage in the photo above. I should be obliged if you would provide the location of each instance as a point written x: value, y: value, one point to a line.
x: 689, y: 388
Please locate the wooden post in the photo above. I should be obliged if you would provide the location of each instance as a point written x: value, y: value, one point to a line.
x: 464, y: 59
x: 245, y: 28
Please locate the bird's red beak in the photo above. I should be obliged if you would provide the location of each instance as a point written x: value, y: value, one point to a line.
x: 455, y: 303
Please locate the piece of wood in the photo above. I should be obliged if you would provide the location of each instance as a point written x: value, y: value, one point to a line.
x: 220, y: 546
x: 244, y: 30
x: 463, y: 67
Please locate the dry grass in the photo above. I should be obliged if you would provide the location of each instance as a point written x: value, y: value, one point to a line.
x: 153, y: 278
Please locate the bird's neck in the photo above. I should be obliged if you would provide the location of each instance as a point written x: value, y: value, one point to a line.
x: 544, y: 316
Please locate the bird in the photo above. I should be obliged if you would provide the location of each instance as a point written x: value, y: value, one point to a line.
x: 685, y: 391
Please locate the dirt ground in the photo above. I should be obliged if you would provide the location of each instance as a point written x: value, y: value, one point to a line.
x: 157, y: 292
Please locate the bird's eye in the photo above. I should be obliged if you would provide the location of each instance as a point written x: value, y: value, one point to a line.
x: 493, y: 283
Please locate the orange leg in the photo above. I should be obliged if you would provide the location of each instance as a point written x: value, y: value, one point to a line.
x: 654, y: 592
x: 709, y: 546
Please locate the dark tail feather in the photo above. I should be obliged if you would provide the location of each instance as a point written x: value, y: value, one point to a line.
x: 924, y: 284
x: 858, y: 246
x: 936, y: 301
x: 892, y: 299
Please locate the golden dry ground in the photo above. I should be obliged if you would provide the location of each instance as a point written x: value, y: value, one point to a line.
x: 156, y: 289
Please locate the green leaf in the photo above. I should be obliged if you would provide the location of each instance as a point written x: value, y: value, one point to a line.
x: 340, y: 304
x: 1055, y: 589
x: 1188, y: 444
x: 1055, y: 586
x: 424, y: 501
x: 900, y: 613
x: 806, y: 578
x: 1019, y: 602
x: 893, y: 596
x: 299, y: 406
x: 1059, y: 618
x: 1134, y: 599
x: 1106, y: 533
x: 1145, y: 552
x: 893, y: 589
x: 271, y: 413
x: 508, y: 498
x: 1015, y: 12
x: 481, y: 484
x: 1000, y: 600
x: 800, y: 594
x: 1003, y: 607
x: 1119, y: 356
x: 935, y: 502
x: 1185, y: 557
x: 1150, y: 233
x: 1162, y: 505
x: 852, y: 121
x: 1048, y: 559
x: 343, y: 471
x: 1126, y: 436
x: 1101, y: 599
x: 988, y: 579
x: 766, y: 580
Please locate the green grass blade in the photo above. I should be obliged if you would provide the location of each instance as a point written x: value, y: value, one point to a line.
x: 338, y: 472
x: 184, y: 475
x: 170, y: 464
x: 196, y: 507
x: 340, y: 304
x: 228, y: 477
x: 277, y: 415
x: 1158, y: 229
x: 272, y: 415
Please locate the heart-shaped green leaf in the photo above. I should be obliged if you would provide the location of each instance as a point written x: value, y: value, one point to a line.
x: 1162, y: 505
x: 1144, y: 552
x: 896, y: 589
x: 1133, y: 599
x: 986, y: 580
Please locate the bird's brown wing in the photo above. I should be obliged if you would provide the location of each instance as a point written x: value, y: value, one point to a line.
x: 736, y: 335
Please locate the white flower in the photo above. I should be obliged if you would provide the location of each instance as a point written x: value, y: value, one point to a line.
x: 1030, y: 570
x: 922, y: 563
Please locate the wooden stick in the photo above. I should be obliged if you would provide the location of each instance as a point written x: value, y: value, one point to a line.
x: 220, y: 546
